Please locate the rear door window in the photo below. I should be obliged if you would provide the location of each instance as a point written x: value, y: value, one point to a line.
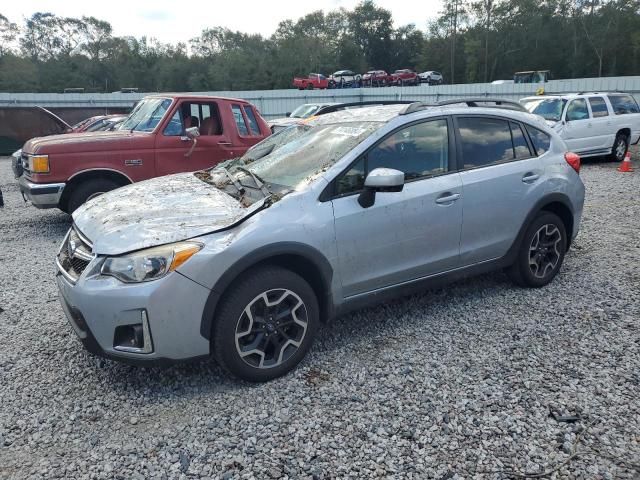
x: 623, y: 104
x: 484, y: 141
x: 239, y: 118
x: 598, y: 107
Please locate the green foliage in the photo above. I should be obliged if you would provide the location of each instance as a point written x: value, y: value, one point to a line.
x: 469, y: 41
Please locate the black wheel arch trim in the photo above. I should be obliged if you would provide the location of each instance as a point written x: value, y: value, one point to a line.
x: 261, y: 255
x: 537, y: 208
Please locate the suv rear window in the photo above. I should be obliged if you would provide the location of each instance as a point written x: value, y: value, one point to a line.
x: 623, y: 104
x: 541, y: 141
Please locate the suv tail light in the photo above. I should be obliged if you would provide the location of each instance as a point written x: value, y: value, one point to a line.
x: 573, y: 159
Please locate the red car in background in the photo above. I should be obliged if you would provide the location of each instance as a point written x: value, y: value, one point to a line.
x: 313, y: 80
x: 376, y: 78
x: 405, y: 77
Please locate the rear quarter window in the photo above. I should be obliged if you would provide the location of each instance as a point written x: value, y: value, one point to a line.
x: 623, y: 104
x: 540, y: 140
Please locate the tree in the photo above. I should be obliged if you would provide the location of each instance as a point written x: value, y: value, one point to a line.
x: 8, y: 35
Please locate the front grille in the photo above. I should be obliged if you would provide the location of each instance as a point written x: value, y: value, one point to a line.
x: 75, y: 255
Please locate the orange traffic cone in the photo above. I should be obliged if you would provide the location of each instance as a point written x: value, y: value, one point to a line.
x: 625, y: 166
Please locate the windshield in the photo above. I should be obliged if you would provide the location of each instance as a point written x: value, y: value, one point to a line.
x: 547, y: 108
x: 311, y: 152
x: 146, y: 115
x: 304, y: 111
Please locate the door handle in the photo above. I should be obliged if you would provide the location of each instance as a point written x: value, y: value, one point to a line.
x: 447, y: 198
x: 530, y: 177
x: 227, y: 144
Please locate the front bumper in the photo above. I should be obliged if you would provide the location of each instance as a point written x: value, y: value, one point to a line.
x: 16, y: 164
x: 172, y: 305
x: 41, y: 195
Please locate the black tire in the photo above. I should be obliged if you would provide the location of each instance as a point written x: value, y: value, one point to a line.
x: 87, y: 190
x: 547, y: 255
x: 231, y: 316
x: 620, y: 147
x: 309, y: 86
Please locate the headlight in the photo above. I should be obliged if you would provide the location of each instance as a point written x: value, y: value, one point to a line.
x: 149, y: 264
x: 39, y: 163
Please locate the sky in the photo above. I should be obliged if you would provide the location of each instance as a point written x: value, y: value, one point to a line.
x: 173, y: 21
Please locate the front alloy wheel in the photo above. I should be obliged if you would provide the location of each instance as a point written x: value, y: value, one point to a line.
x: 271, y: 328
x: 265, y: 324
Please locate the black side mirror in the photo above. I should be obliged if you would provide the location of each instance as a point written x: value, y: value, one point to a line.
x: 380, y: 180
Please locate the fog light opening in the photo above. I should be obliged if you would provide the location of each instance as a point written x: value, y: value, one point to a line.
x: 135, y: 338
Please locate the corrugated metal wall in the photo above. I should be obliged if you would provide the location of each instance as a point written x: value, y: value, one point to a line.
x: 275, y: 103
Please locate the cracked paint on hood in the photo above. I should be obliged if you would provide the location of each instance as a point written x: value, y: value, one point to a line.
x: 157, y: 211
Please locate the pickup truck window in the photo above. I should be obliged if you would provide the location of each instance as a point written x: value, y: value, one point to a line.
x: 598, y: 107
x: 240, y: 123
x: 623, y: 104
x: 174, y: 127
x: 253, y: 122
x: 147, y: 114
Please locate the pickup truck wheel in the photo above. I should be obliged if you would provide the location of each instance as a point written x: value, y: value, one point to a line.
x: 88, y: 190
x: 309, y: 86
x: 541, y: 252
x: 620, y: 146
x: 265, y: 324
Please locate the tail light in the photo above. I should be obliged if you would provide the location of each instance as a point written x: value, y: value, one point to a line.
x: 573, y: 159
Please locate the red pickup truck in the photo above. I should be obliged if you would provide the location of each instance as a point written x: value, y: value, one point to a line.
x: 313, y: 80
x: 64, y: 171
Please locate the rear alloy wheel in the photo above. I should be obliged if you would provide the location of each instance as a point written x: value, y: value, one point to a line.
x: 265, y: 325
x: 620, y: 147
x: 541, y: 253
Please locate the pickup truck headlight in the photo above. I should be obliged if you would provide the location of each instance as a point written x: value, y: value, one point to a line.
x: 39, y: 163
x: 149, y: 264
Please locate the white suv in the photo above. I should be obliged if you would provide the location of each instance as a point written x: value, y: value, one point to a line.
x: 591, y: 124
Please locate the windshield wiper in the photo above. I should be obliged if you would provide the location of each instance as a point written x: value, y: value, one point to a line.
x: 236, y: 184
x: 259, y: 182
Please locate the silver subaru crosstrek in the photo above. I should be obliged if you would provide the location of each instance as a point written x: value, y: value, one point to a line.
x: 245, y: 260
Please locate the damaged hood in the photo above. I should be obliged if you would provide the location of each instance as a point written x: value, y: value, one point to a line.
x: 157, y: 211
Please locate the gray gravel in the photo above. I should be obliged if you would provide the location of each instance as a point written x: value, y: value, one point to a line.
x: 470, y: 381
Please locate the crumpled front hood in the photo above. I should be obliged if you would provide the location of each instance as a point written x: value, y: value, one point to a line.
x: 157, y: 211
x: 284, y: 121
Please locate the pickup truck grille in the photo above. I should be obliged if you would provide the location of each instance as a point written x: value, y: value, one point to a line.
x: 74, y: 255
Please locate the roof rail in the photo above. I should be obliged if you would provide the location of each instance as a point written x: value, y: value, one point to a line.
x: 344, y: 106
x: 470, y: 102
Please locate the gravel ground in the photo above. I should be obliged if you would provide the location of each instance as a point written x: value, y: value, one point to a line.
x: 470, y: 381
